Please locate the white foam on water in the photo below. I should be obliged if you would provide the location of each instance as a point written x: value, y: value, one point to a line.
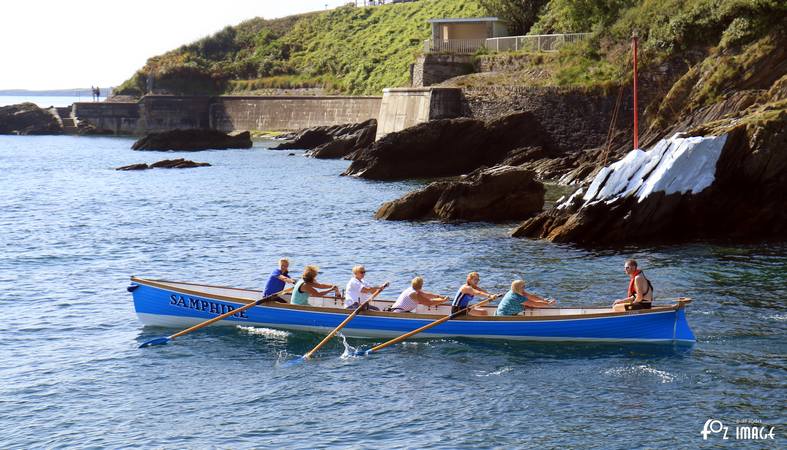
x: 282, y: 357
x: 640, y: 370
x: 676, y: 164
x: 349, y: 350
x: 662, y: 375
x: 268, y: 332
x: 495, y: 373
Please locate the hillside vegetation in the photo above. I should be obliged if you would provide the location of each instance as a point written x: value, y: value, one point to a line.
x: 347, y: 49
x: 357, y: 50
x: 687, y: 29
x: 727, y: 45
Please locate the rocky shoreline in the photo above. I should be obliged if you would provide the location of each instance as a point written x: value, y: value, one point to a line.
x: 730, y: 156
x: 179, y: 163
x: 331, y: 142
x: 499, y: 194
x: 28, y: 119
x: 451, y: 147
x: 193, y: 140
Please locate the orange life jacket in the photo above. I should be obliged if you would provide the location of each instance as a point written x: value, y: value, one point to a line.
x: 633, y: 289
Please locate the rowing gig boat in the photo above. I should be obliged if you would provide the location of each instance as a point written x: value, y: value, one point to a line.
x: 178, y: 304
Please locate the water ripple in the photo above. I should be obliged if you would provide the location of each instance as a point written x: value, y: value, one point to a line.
x: 72, y: 231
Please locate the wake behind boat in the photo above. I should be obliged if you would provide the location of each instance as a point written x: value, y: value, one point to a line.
x: 179, y: 304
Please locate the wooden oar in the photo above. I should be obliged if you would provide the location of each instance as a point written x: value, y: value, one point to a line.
x: 425, y: 327
x: 344, y: 322
x: 164, y: 340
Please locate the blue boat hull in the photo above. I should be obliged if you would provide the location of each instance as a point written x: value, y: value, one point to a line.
x: 160, y: 306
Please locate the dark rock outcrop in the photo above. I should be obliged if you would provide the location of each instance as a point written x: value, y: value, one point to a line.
x: 746, y: 200
x: 329, y: 142
x: 85, y: 128
x: 347, y: 145
x: 494, y: 195
x: 179, y: 163
x: 139, y: 166
x: 27, y: 118
x: 193, y: 140
x: 449, y: 147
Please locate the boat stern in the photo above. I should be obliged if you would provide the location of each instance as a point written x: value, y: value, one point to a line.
x: 682, y: 332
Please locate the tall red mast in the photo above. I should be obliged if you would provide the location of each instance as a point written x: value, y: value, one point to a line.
x: 636, y: 114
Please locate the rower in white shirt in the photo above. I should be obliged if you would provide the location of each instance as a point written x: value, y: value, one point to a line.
x: 357, y: 290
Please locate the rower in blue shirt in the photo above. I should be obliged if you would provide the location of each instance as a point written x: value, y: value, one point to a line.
x: 278, y: 280
x: 466, y: 294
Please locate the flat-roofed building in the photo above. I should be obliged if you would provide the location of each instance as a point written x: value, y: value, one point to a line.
x: 463, y: 35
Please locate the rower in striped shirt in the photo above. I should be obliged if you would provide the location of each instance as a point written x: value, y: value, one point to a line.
x: 411, y: 297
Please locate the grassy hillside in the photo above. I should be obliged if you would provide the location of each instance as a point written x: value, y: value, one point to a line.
x: 719, y: 38
x: 667, y: 29
x: 349, y: 50
x: 362, y: 50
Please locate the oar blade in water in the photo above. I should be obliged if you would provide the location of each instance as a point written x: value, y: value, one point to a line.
x: 157, y: 341
x: 294, y: 362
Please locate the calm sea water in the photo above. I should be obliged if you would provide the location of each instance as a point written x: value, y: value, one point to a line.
x: 44, y: 101
x: 72, y: 231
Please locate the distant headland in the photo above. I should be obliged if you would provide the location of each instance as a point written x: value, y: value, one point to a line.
x: 75, y: 92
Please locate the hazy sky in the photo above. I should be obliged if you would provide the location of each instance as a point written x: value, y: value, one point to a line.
x: 47, y: 44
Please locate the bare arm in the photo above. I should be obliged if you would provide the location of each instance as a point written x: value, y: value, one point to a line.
x: 372, y: 289
x: 466, y: 289
x: 640, y: 286
x: 310, y: 288
x: 529, y: 304
x: 428, y: 298
x: 534, y: 298
x: 433, y: 296
x: 625, y: 300
x: 323, y: 286
x: 286, y: 279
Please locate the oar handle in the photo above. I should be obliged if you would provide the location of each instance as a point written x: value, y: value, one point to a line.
x: 228, y: 313
x: 344, y: 322
x: 429, y: 325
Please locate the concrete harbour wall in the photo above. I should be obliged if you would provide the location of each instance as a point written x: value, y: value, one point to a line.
x: 120, y: 118
x: 404, y: 107
x: 155, y: 113
x: 286, y: 113
x: 397, y: 109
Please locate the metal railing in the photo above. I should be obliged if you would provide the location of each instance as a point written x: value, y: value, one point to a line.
x: 462, y: 46
x: 534, y: 43
x: 529, y: 43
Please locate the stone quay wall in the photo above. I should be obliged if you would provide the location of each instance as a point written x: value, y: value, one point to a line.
x: 574, y: 118
x: 155, y: 113
x: 434, y: 68
x: 404, y: 107
x: 228, y: 113
x: 120, y: 118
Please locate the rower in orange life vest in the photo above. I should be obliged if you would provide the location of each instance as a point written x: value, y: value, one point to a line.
x: 640, y: 292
